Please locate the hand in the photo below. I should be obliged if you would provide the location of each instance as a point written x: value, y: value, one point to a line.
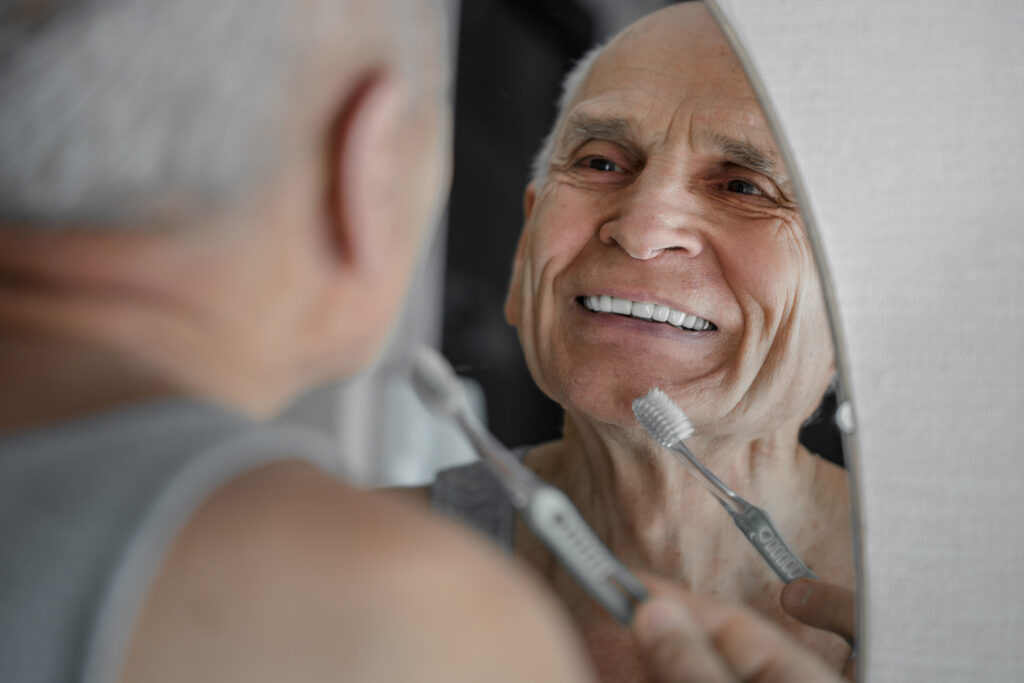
x: 825, y: 606
x: 821, y: 605
x: 683, y: 637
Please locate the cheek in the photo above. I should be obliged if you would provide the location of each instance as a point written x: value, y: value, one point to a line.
x: 815, y: 332
x: 764, y: 272
x: 795, y: 344
x: 557, y: 233
x: 560, y: 228
x: 563, y: 216
x: 770, y: 270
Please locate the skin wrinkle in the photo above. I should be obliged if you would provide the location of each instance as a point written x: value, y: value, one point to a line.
x: 19, y: 283
x: 123, y: 324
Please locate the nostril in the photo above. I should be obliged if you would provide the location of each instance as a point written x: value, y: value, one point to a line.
x: 647, y: 239
x: 606, y: 236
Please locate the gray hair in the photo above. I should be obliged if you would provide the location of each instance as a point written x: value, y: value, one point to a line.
x: 571, y: 85
x: 125, y: 111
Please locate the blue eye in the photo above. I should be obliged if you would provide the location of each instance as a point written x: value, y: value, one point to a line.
x: 743, y: 187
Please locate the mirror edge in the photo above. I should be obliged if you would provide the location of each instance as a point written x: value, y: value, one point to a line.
x: 845, y: 415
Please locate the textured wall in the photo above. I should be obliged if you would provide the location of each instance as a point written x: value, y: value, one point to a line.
x: 905, y: 119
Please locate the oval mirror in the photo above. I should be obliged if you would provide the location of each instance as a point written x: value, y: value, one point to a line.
x: 654, y: 227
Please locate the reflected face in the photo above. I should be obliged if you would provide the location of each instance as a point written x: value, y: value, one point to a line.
x: 665, y: 248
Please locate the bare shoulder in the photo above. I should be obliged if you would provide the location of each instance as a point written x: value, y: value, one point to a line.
x: 831, y: 534
x: 287, y: 574
x: 833, y: 494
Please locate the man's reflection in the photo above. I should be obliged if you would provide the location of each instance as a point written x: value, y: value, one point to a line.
x: 663, y: 247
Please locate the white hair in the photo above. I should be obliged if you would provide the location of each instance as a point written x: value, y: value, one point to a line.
x: 571, y: 85
x: 119, y: 112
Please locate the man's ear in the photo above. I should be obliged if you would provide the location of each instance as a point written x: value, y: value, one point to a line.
x: 514, y: 287
x: 361, y: 173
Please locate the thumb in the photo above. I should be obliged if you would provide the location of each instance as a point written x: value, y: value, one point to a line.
x: 674, y: 646
x: 821, y: 605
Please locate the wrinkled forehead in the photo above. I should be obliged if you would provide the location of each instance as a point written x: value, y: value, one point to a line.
x: 673, y: 75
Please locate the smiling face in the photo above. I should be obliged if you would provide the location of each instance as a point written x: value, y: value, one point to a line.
x: 664, y: 247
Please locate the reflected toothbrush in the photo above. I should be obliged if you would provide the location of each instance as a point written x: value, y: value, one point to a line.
x: 670, y: 427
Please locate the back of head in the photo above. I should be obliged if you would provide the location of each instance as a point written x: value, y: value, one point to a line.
x: 137, y: 112
x: 192, y: 156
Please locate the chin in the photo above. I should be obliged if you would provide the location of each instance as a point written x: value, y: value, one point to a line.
x: 599, y: 398
x: 612, y: 402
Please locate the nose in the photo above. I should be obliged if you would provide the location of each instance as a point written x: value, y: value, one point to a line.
x: 659, y: 215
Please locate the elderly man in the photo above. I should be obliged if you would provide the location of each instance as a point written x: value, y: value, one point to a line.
x: 205, y: 207
x: 663, y: 247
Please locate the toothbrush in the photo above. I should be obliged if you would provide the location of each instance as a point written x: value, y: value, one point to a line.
x: 669, y: 426
x: 545, y: 509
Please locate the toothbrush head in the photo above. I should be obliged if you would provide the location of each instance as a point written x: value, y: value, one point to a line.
x: 435, y: 382
x: 662, y: 418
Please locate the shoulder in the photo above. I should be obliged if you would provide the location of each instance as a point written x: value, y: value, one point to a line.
x: 832, y: 495
x: 828, y: 522
x: 288, y: 574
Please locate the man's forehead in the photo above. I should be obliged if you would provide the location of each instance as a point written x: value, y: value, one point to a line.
x: 723, y: 128
x: 671, y: 92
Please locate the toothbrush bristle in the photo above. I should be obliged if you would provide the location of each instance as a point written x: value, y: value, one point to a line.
x: 435, y: 381
x: 662, y: 418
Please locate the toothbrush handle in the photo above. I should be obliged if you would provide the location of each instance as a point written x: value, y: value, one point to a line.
x: 553, y: 519
x: 515, y: 478
x: 766, y: 539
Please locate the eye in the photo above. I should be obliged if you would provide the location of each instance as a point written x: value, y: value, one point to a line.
x: 743, y: 187
x: 601, y: 164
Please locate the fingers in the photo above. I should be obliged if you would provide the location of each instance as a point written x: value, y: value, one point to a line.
x: 761, y: 652
x: 684, y: 638
x: 821, y: 605
x: 675, y: 646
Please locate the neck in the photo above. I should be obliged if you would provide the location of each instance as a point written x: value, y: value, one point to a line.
x: 79, y: 336
x: 47, y: 379
x: 60, y: 371
x: 657, y: 517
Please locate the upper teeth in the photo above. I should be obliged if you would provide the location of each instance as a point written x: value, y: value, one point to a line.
x: 645, y: 311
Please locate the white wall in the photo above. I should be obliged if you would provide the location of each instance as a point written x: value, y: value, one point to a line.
x: 905, y: 118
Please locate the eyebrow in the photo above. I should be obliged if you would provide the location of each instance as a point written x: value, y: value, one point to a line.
x: 744, y: 153
x: 581, y: 127
x: 750, y: 156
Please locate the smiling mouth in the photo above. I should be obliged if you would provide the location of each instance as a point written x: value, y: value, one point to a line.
x: 642, y: 310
